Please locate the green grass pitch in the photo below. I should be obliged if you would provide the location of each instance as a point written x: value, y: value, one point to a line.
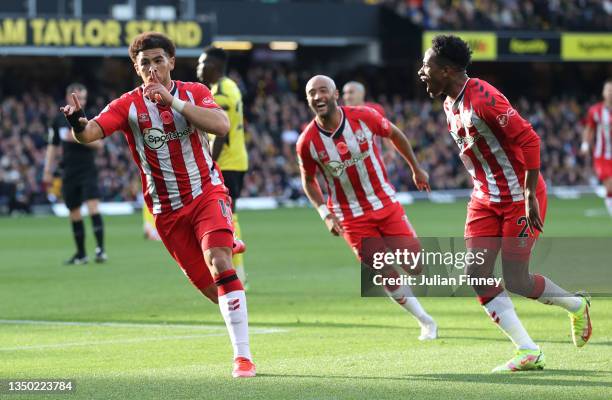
x: 313, y: 336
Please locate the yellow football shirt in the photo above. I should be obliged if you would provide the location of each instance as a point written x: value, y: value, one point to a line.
x: 234, y: 155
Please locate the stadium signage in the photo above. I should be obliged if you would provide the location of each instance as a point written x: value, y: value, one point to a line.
x: 533, y: 46
x: 586, y: 47
x: 483, y: 44
x: 95, y: 33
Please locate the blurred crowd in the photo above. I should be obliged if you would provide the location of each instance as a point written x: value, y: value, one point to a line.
x: 275, y: 113
x: 506, y: 14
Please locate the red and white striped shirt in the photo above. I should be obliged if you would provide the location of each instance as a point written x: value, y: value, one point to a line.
x: 350, y: 161
x: 496, y: 144
x: 599, y: 118
x: 173, y: 157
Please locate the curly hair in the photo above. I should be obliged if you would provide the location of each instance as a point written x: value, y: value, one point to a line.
x: 151, y: 40
x: 452, y: 50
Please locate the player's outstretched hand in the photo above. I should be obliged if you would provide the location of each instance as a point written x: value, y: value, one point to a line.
x: 156, y: 91
x: 421, y: 180
x: 333, y: 224
x: 532, y: 212
x: 70, y: 109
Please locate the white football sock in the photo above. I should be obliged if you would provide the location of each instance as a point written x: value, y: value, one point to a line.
x: 609, y: 204
x: 501, y: 310
x: 557, y: 296
x: 233, y: 307
x: 404, y: 297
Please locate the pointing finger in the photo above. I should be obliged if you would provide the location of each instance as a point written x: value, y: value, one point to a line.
x: 75, y: 99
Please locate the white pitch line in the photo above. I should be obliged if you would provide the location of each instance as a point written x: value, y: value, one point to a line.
x: 595, y: 212
x: 103, y: 342
x: 133, y: 325
x: 254, y: 331
x: 220, y: 329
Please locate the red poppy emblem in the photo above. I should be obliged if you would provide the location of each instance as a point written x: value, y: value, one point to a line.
x: 166, y: 117
x: 342, y: 148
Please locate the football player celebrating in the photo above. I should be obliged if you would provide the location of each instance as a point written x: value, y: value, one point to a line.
x: 361, y: 202
x: 166, y: 123
x: 501, y: 152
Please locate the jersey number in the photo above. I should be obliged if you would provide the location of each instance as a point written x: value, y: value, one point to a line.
x: 523, y: 221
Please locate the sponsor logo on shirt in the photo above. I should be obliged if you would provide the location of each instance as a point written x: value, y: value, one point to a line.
x: 504, y: 119
x: 337, y: 168
x: 155, y: 138
x: 469, y: 139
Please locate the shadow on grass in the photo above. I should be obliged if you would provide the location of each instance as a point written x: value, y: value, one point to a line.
x: 535, y: 378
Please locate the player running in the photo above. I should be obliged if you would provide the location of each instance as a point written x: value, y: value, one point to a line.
x: 165, y: 123
x: 229, y: 152
x: 501, y: 152
x: 361, y: 202
x: 79, y: 179
x: 599, y: 125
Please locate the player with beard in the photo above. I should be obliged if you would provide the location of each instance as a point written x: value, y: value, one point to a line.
x: 501, y: 151
x: 361, y: 203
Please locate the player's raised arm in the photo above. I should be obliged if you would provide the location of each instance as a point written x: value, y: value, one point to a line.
x: 402, y: 145
x: 83, y: 130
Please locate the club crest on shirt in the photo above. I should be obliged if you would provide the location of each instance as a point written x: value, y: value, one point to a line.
x: 504, y: 119
x: 323, y: 157
x: 360, y: 136
x: 143, y: 117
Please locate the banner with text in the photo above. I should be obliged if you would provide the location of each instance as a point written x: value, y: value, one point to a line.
x: 51, y: 36
x: 533, y: 46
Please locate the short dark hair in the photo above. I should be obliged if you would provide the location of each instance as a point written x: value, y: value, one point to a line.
x: 452, y: 50
x: 609, y: 80
x: 75, y: 87
x: 217, y: 53
x: 151, y: 40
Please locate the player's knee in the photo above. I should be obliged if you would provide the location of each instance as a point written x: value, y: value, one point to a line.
x: 518, y: 284
x: 219, y: 259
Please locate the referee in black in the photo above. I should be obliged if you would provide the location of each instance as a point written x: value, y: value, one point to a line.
x: 79, y: 179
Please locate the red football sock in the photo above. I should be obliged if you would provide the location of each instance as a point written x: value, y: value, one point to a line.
x: 227, y: 282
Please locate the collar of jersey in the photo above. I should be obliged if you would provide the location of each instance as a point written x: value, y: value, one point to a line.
x: 340, y: 127
x: 460, y: 96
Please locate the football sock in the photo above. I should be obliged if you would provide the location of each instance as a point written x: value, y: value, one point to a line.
x: 402, y: 295
x: 609, y: 202
x: 547, y: 292
x: 233, y: 306
x: 98, y: 228
x: 78, y: 231
x: 501, y: 310
x: 238, y: 259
